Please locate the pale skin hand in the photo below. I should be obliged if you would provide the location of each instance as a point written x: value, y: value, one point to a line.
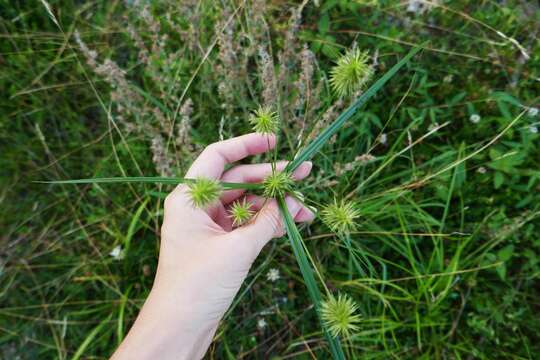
x: 203, y: 260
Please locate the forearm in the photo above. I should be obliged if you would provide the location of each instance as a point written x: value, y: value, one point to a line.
x: 166, y: 328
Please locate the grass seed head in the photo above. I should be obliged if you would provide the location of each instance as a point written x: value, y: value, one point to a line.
x: 277, y: 184
x: 338, y: 314
x: 340, y: 216
x: 204, y: 192
x: 351, y: 72
x: 265, y: 121
x: 240, y: 212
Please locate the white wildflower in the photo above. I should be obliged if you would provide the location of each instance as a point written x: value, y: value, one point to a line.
x: 273, y: 275
x: 261, y: 324
x: 533, y: 129
x: 448, y: 78
x: 481, y: 170
x: 474, y: 118
x: 383, y: 138
x: 282, y: 300
x: 117, y: 253
x: 532, y: 112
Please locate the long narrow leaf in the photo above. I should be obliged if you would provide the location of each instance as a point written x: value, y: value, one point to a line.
x: 149, y: 179
x: 89, y: 338
x: 312, y: 148
x: 307, y: 273
x: 133, y: 226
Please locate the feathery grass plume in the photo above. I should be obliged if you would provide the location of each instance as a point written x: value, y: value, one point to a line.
x: 339, y: 316
x: 162, y: 162
x: 229, y: 67
x: 351, y: 72
x: 139, y: 43
x: 265, y: 121
x: 340, y: 216
x: 268, y: 78
x: 277, y: 184
x: 183, y: 127
x: 288, y: 58
x: 240, y: 212
x: 204, y: 192
x: 308, y: 95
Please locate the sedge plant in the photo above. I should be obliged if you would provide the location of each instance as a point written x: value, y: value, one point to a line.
x: 337, y: 314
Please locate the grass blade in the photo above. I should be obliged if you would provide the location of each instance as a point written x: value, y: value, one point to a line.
x: 149, y: 179
x: 312, y: 148
x: 89, y: 338
x: 307, y: 274
x: 133, y: 226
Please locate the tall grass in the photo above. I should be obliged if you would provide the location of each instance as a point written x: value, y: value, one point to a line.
x: 443, y: 260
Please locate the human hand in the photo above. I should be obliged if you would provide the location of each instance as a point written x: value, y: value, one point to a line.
x: 203, y: 260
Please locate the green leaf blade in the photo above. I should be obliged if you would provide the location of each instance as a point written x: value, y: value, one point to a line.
x: 307, y: 273
x: 151, y: 180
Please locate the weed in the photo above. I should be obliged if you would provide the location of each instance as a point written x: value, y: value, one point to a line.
x: 442, y: 261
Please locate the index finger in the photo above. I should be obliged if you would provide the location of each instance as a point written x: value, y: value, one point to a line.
x: 211, y: 163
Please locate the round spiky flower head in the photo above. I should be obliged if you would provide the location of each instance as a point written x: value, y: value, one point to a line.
x: 265, y: 121
x: 240, y: 212
x: 338, y: 314
x: 277, y: 184
x: 351, y: 72
x: 340, y: 216
x: 204, y: 192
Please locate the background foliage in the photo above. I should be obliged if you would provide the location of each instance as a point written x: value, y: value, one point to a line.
x: 447, y: 243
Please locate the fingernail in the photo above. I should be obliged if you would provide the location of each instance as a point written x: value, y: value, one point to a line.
x: 293, y: 205
x: 307, y: 165
x: 303, y: 170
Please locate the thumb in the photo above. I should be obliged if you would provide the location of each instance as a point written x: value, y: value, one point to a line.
x: 267, y: 224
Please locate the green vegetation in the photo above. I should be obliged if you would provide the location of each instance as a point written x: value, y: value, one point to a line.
x: 435, y: 251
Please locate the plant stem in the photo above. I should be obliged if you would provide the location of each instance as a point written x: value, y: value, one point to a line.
x: 150, y: 179
x: 307, y: 273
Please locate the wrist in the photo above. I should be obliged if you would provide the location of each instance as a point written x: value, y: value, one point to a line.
x: 167, y: 328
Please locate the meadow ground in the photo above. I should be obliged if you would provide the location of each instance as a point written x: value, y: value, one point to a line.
x: 441, y: 165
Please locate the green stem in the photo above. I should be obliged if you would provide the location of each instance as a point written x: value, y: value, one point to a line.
x: 307, y: 274
x: 150, y: 179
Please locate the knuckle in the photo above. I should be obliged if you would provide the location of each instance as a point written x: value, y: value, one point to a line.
x: 170, y: 200
x: 175, y: 198
x: 210, y: 149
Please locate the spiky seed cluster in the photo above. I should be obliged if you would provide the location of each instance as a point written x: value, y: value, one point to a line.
x: 240, y: 212
x: 351, y: 72
x: 277, y: 184
x: 265, y: 121
x: 340, y: 216
x: 204, y: 192
x: 338, y: 314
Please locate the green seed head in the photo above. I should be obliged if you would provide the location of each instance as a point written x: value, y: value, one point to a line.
x: 265, y: 121
x: 204, y: 192
x: 340, y: 216
x: 277, y: 184
x: 351, y: 72
x: 338, y: 314
x: 240, y: 212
